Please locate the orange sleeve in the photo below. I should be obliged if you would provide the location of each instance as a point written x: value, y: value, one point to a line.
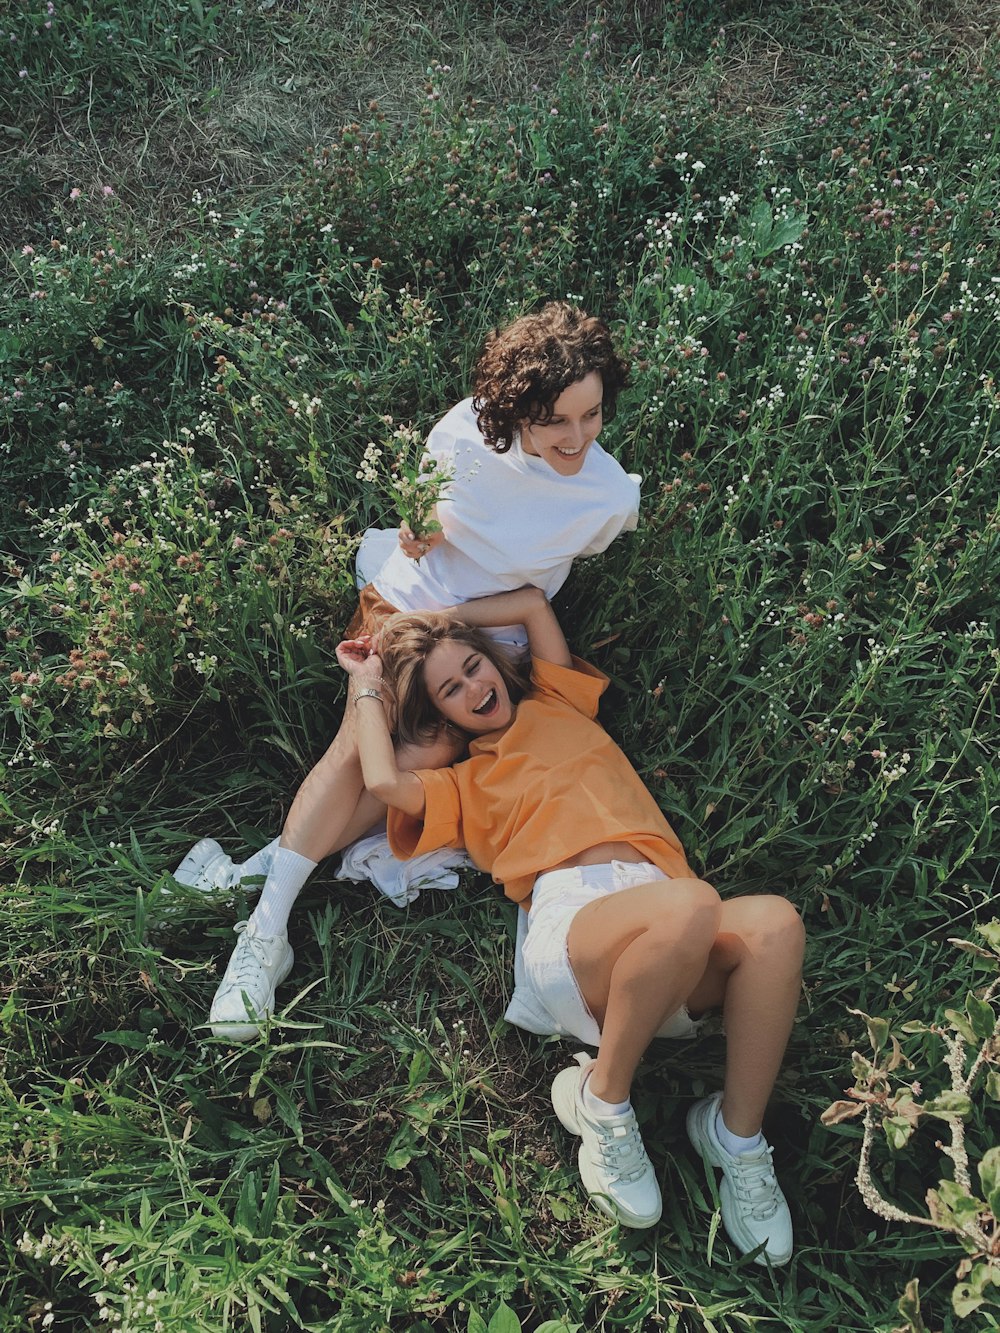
x: 441, y: 825
x: 580, y: 685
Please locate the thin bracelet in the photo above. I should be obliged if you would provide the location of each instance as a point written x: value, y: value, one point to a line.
x: 366, y: 694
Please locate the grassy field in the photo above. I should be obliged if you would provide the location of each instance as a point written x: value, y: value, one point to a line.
x: 242, y: 242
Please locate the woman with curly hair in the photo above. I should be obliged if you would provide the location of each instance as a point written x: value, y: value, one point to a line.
x: 620, y: 941
x: 530, y: 490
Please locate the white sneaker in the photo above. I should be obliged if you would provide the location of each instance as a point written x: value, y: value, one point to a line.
x: 754, y: 1211
x: 616, y: 1172
x: 245, y: 998
x: 206, y: 867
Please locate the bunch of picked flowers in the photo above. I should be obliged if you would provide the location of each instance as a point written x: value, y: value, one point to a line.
x: 416, y: 482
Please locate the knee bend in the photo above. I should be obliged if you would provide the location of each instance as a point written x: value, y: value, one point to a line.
x: 779, y: 928
x: 691, y: 913
x: 698, y: 900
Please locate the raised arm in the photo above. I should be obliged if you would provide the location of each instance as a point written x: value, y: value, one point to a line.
x: 525, y: 606
x: 383, y: 778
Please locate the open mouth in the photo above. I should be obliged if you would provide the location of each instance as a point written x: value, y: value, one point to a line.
x: 569, y: 453
x: 488, y: 706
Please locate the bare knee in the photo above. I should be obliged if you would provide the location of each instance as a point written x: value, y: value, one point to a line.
x: 690, y: 916
x: 774, y: 927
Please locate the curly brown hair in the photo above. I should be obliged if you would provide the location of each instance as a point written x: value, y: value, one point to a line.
x: 406, y: 641
x: 524, y: 367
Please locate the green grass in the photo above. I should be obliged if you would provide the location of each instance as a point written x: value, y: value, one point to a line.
x: 801, y: 635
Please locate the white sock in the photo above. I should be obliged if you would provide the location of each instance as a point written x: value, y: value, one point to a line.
x: 289, y: 872
x: 733, y: 1143
x: 258, y: 864
x: 596, y: 1106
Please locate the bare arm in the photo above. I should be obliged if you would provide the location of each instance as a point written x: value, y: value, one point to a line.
x: 525, y: 606
x: 383, y: 778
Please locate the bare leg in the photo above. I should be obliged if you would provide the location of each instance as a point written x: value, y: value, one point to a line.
x: 332, y: 809
x: 325, y: 803
x: 755, y: 973
x: 642, y: 953
x: 637, y: 955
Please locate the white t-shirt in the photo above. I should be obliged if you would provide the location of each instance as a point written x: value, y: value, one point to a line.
x: 508, y: 519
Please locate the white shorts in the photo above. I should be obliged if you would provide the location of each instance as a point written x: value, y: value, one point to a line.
x: 547, y: 999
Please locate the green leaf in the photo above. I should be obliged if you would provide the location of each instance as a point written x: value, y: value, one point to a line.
x: 508, y: 1214
x: 897, y: 1130
x: 990, y: 932
x: 246, y: 1211
x: 909, y: 1307
x: 419, y: 1065
x: 477, y: 1324
x: 557, y: 1326
x: 289, y: 1113
x: 861, y: 1067
x: 761, y: 220
x: 993, y: 1085
x: 402, y: 1151
x: 951, y: 1207
x: 785, y: 231
x: 961, y: 1024
x: 543, y: 158
x: 964, y: 1300
x: 878, y: 1029
x: 340, y: 1196
x: 504, y: 1320
x: 269, y: 1207
x: 135, y: 1041
x: 949, y: 1104
x: 989, y: 1178
x: 981, y: 1016
x: 968, y: 1296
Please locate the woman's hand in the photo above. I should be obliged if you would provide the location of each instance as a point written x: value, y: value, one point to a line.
x: 360, y: 661
x: 413, y: 546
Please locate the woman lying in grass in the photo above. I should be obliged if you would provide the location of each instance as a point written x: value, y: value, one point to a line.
x: 623, y: 942
x: 531, y: 489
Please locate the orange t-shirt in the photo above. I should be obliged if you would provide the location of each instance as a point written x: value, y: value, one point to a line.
x: 550, y: 786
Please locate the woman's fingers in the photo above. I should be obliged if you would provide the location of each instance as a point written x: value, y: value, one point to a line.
x: 351, y: 653
x: 413, y: 546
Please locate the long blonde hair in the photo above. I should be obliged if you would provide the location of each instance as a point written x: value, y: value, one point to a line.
x: 405, y: 642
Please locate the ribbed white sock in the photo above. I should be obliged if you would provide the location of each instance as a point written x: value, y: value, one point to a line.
x: 289, y: 872
x: 733, y: 1143
x: 596, y: 1106
x: 258, y: 864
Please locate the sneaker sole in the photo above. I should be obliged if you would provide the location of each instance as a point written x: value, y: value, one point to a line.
x: 704, y: 1147
x: 564, y: 1090
x: 698, y: 1140
x: 247, y: 1031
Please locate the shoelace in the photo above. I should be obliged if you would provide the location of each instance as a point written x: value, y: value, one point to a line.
x: 250, y: 958
x: 621, y: 1148
x: 752, y: 1178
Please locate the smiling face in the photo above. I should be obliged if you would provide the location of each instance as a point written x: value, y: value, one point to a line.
x: 575, y: 423
x: 466, y: 688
